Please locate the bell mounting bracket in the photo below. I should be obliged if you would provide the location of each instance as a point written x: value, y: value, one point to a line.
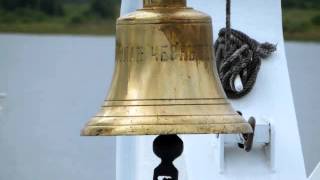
x: 247, y: 139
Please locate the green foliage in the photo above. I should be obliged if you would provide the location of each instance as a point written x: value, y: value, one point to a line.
x: 104, y: 8
x: 79, y: 19
x: 6, y: 18
x: 301, y: 4
x: 49, y: 7
x: 316, y: 20
x: 297, y: 21
x: 22, y: 16
x: 11, y: 5
x: 300, y: 24
x: 295, y: 27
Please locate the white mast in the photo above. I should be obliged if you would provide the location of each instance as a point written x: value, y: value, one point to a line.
x: 270, y: 100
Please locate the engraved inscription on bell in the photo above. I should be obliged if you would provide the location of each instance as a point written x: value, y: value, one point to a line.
x: 164, y: 53
x: 164, y: 43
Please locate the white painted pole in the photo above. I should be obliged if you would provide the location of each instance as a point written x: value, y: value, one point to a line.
x: 270, y: 99
x: 128, y: 6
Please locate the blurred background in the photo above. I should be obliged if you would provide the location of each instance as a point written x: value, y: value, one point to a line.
x: 301, y: 18
x: 56, y: 62
x: 59, y: 16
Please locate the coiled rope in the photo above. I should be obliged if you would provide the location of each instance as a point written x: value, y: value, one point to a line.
x: 239, y: 55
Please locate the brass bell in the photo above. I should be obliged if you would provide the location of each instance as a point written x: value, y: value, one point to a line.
x: 165, y: 79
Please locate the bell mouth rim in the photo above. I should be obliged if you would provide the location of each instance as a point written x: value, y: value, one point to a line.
x: 143, y: 130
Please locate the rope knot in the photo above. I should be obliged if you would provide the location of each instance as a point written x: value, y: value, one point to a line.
x: 241, y: 58
x: 266, y: 49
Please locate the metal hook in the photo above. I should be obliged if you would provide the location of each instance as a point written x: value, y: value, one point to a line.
x: 248, y: 138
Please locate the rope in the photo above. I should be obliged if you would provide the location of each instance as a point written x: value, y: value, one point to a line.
x: 239, y: 55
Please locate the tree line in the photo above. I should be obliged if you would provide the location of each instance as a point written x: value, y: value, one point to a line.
x: 102, y: 8
x: 49, y: 7
x: 301, y: 4
x: 107, y: 8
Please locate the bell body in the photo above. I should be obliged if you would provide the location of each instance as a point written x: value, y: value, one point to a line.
x: 165, y: 79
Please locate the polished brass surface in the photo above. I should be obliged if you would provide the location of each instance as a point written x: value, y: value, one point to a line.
x: 165, y: 79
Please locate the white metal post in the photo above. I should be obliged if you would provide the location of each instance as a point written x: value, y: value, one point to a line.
x: 271, y: 98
